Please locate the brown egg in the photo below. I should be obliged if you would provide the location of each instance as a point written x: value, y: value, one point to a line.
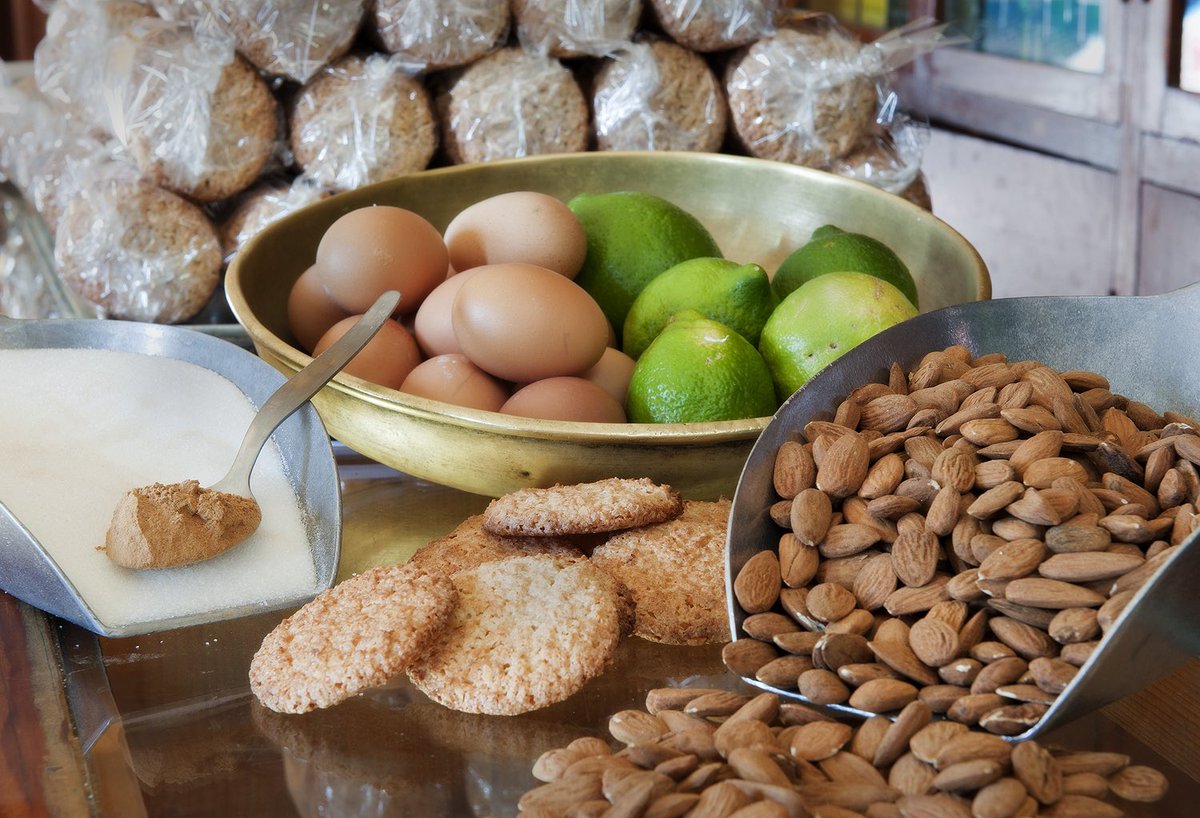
x: 310, y: 310
x: 454, y: 379
x: 521, y: 226
x: 612, y: 373
x: 432, y: 325
x: 522, y: 323
x: 372, y: 250
x: 386, y: 359
x: 565, y: 398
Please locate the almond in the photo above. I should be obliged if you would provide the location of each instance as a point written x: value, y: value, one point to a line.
x: 1040, y: 474
x: 758, y: 582
x: 798, y: 562
x: 794, y: 469
x: 941, y: 698
x: 927, y: 742
x: 875, y: 582
x: 1013, y: 560
x: 933, y: 641
x: 938, y: 805
x: 1035, y: 509
x: 1026, y: 640
x: 719, y: 800
x: 911, y: 600
x: 1138, y: 783
x: 837, y: 649
x: 819, y: 740
x: 995, y: 499
x: 846, y: 540
x: 821, y: 686
x: 828, y: 601
x: 1081, y: 806
x: 848, y: 768
x: 883, y: 477
x: 1052, y: 675
x: 844, y: 466
x: 1065, y: 539
x: 975, y: 411
x: 1091, y: 761
x: 944, y: 510
x: 954, y: 467
x: 636, y: 727
x: 968, y: 745
x: 988, y: 431
x: 1040, y: 592
x: 783, y: 671
x: 915, y: 557
x: 1038, y: 770
x: 811, y: 515
x: 895, y: 742
x: 883, y: 695
x: 1000, y: 799
x: 1013, y: 719
x: 902, y: 659
x: 968, y: 776
x: 675, y: 698
x: 971, y: 708
x: 857, y: 674
x: 911, y: 776
x: 1087, y: 567
x: 887, y: 413
x: 745, y: 656
x: 1039, y: 446
x: 1001, y: 672
x: 754, y: 765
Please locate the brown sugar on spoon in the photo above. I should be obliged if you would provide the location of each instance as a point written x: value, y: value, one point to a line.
x: 170, y: 524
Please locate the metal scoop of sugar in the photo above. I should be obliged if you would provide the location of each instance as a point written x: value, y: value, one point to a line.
x: 165, y: 525
x: 1145, y: 346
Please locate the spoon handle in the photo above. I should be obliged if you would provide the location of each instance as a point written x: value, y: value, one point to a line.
x: 299, y: 388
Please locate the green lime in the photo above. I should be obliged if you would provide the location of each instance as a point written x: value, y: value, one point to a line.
x: 833, y: 250
x: 737, y: 295
x: 824, y: 318
x: 699, y: 370
x: 631, y: 238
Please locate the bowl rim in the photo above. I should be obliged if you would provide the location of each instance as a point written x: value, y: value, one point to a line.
x: 427, y: 409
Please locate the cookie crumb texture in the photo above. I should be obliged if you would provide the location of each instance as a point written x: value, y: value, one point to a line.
x: 585, y: 508
x: 359, y: 634
x: 675, y: 573
x: 528, y: 632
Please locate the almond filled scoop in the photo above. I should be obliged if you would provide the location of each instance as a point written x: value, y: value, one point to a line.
x: 169, y: 524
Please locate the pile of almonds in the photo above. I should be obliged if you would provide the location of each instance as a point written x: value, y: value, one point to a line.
x: 963, y: 535
x: 710, y: 753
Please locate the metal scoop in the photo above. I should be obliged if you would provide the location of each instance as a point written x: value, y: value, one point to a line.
x: 1145, y: 345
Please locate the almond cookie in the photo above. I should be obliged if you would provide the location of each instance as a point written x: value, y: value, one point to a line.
x: 358, y: 634
x: 715, y: 25
x: 528, y: 632
x: 470, y: 545
x: 675, y: 572
x: 431, y: 35
x: 582, y: 508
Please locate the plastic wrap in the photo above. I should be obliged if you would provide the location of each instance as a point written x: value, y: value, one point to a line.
x: 430, y: 35
x: 138, y: 252
x: 293, y: 39
x: 69, y: 60
x: 513, y: 103
x: 576, y: 28
x: 890, y: 156
x: 263, y: 204
x: 715, y: 25
x: 811, y: 93
x: 362, y: 120
x: 196, y: 118
x: 658, y: 96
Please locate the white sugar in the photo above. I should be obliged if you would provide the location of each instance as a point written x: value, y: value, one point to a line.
x: 79, y: 428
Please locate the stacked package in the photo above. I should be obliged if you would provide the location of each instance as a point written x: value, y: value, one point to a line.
x: 156, y: 137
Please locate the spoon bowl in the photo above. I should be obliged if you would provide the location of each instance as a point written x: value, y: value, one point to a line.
x: 1144, y: 345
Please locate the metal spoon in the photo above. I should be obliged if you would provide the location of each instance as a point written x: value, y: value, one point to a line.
x: 142, y: 534
x: 1145, y: 345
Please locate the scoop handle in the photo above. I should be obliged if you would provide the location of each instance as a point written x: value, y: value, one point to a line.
x: 299, y: 388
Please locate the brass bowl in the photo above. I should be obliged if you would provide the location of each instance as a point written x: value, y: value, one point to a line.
x: 757, y: 210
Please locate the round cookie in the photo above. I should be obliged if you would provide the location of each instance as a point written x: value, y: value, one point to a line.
x: 358, y: 634
x: 293, y: 39
x: 528, y: 632
x: 801, y: 96
x: 262, y: 205
x: 362, y: 120
x: 568, y: 28
x: 715, y: 25
x: 470, y: 545
x: 675, y: 573
x: 431, y: 35
x: 139, y: 252
x: 512, y: 103
x: 658, y: 96
x: 196, y: 117
x: 582, y: 508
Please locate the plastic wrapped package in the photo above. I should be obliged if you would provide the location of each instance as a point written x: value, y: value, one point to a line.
x: 715, y: 25
x: 657, y: 95
x: 28, y: 286
x: 513, y: 103
x: 576, y: 28
x: 430, y: 35
x: 802, y: 95
x: 138, y: 252
x: 265, y: 203
x: 68, y: 60
x: 362, y: 120
x: 195, y: 117
x: 293, y: 39
x: 889, y: 157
